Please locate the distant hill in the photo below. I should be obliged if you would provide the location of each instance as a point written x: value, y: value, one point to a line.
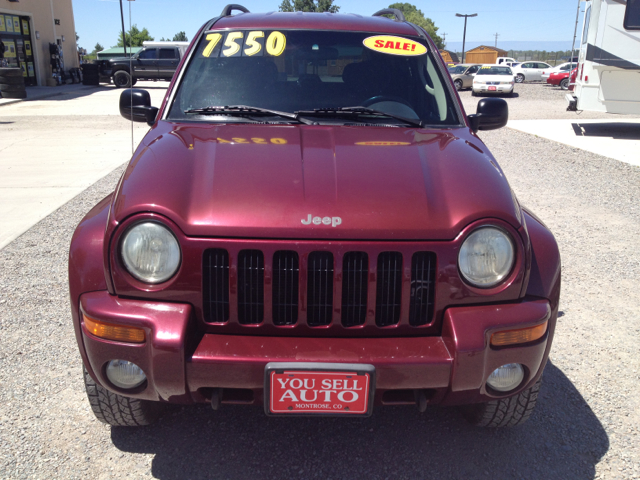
x: 552, y: 46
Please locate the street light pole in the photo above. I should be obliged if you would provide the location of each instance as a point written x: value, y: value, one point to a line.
x: 124, y: 36
x: 464, y: 35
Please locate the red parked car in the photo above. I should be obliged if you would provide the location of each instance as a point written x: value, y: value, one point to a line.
x: 312, y: 225
x: 563, y: 79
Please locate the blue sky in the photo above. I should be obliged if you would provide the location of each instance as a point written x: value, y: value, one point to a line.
x: 540, y: 21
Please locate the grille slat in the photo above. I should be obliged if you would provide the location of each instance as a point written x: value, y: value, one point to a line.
x: 319, y: 288
x: 250, y: 287
x: 216, y: 285
x: 388, y: 288
x: 423, y: 272
x: 285, y: 287
x: 355, y: 271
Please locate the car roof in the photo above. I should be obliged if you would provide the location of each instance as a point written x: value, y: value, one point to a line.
x: 315, y: 21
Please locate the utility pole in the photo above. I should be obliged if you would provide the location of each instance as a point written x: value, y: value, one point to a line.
x: 496, y: 35
x: 464, y: 35
x: 444, y: 39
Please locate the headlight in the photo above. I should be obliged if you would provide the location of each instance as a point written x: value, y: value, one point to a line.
x: 486, y: 257
x: 150, y: 252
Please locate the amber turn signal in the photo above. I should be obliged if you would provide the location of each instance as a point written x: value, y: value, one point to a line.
x: 108, y: 331
x: 522, y: 335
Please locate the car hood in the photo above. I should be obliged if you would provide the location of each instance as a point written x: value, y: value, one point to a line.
x: 272, y: 181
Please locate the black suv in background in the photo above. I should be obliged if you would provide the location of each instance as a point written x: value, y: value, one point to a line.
x: 156, y: 61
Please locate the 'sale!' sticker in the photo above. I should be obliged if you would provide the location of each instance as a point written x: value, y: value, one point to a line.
x: 394, y: 45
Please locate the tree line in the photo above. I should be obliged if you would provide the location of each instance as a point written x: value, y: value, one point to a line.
x: 134, y: 37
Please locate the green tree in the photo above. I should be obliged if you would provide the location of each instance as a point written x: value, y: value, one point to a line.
x: 135, y: 37
x: 180, y: 37
x: 415, y: 16
x: 97, y: 48
x: 309, y: 6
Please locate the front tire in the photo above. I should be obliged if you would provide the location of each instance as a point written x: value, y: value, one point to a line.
x: 122, y: 79
x: 119, y: 411
x: 564, y: 84
x: 458, y: 84
x: 505, y: 412
x: 519, y: 78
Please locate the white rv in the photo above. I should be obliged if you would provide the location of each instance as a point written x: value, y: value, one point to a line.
x: 608, y: 77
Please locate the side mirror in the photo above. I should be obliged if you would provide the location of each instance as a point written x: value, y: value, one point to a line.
x: 135, y: 105
x: 491, y: 113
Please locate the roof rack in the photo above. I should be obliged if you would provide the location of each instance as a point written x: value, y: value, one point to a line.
x: 226, y: 11
x: 391, y: 11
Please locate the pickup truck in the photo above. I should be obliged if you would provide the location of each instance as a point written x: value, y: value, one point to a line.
x: 156, y: 61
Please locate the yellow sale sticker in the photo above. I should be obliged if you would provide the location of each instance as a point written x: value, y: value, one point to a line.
x: 394, y: 45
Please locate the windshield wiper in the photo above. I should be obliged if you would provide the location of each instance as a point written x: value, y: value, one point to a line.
x: 356, y: 111
x: 245, y: 111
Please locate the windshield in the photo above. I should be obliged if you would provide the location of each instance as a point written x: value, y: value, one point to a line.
x: 303, y: 70
x: 457, y: 69
x: 491, y: 70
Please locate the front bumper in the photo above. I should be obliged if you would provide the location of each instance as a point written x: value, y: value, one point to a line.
x: 499, y: 89
x: 184, y: 365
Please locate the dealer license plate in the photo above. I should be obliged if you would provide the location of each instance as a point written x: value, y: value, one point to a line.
x: 492, y: 88
x: 318, y: 389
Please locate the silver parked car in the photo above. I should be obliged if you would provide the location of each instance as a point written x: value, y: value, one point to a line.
x: 462, y: 75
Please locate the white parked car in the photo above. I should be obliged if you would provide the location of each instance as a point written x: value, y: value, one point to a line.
x: 530, y: 71
x: 563, y: 67
x: 495, y: 79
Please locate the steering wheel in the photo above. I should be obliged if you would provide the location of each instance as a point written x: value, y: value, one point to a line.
x: 393, y: 105
x: 385, y: 98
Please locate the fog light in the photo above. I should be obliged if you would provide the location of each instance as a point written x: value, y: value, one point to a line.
x: 124, y: 374
x: 506, y: 378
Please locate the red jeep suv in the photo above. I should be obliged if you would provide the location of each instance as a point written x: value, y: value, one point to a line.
x: 311, y: 224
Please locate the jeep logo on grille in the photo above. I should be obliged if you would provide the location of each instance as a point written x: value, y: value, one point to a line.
x: 333, y: 221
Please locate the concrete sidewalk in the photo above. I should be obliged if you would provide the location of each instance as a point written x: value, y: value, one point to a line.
x: 54, y: 147
x: 37, y: 93
x: 617, y: 137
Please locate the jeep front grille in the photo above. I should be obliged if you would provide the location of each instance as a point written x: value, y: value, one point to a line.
x: 304, y: 291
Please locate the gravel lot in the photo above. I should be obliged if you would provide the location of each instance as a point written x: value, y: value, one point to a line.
x: 586, y: 424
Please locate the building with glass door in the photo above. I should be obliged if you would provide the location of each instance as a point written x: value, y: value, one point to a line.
x: 30, y: 28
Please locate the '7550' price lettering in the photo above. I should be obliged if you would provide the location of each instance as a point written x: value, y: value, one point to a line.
x: 244, y: 44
